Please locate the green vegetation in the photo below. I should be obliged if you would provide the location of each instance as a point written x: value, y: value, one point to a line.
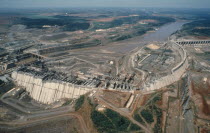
x: 68, y: 101
x: 132, y: 20
x: 67, y: 23
x: 134, y: 127
x: 87, y: 44
x: 123, y: 37
x: 1, y: 82
x: 75, y: 46
x: 138, y: 31
x: 79, y: 102
x: 157, y: 98
x: 142, y: 31
x: 138, y: 118
x: 196, y: 28
x: 4, y: 87
x: 158, y: 113
x: 150, y: 112
x: 205, y: 55
x: 76, y: 26
x: 121, y: 123
x: 101, y: 121
x: 147, y: 115
x: 112, y: 122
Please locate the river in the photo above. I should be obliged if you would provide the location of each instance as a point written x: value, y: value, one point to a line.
x: 164, y: 32
x: 160, y: 35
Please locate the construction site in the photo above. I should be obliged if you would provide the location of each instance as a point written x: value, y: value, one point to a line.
x: 93, y: 79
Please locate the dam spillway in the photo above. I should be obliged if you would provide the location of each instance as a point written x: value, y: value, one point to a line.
x: 48, y: 91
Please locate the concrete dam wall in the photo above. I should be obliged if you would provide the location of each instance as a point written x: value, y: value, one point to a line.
x: 176, y: 72
x: 48, y: 91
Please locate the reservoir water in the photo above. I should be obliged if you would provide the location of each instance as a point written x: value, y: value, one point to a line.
x: 159, y: 35
x: 164, y: 32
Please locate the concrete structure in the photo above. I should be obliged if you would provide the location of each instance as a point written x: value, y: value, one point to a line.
x: 48, y: 91
x: 194, y: 43
x: 130, y: 101
x: 176, y: 72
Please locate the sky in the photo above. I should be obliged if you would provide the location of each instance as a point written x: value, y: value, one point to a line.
x: 105, y: 3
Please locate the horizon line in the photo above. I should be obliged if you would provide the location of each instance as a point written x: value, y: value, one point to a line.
x: 104, y: 7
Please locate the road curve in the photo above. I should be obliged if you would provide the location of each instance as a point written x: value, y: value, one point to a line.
x: 31, y: 122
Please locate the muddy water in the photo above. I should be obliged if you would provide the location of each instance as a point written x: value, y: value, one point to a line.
x: 164, y: 32
x: 160, y: 35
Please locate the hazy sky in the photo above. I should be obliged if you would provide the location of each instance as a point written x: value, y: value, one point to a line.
x: 105, y: 3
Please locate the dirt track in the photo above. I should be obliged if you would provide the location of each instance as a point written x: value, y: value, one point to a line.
x: 32, y: 122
